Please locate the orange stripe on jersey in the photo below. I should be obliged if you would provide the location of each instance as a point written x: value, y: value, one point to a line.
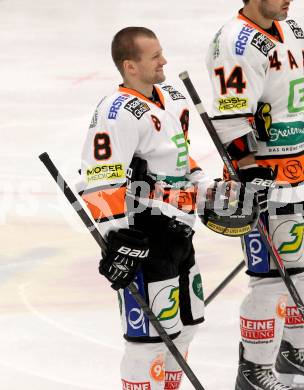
x: 143, y: 97
x: 193, y: 165
x: 184, y: 200
x: 106, y: 203
x: 289, y: 169
x: 252, y: 24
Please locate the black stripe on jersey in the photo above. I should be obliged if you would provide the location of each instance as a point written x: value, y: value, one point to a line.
x: 101, y: 188
x: 196, y: 169
x: 220, y: 117
x: 110, y: 218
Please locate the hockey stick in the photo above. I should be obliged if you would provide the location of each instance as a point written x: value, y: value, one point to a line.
x: 224, y: 283
x: 44, y: 157
x: 184, y: 76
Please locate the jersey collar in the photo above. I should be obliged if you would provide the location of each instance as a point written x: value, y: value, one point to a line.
x: 143, y: 97
x: 252, y: 24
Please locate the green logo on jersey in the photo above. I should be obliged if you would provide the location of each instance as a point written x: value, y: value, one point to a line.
x: 182, y: 146
x: 197, y: 286
x: 296, y: 96
x: 287, y: 133
x: 297, y: 232
x: 170, y: 312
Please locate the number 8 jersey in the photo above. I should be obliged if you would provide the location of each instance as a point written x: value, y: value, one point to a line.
x: 252, y: 68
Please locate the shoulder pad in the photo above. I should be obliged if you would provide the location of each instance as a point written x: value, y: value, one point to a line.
x: 137, y: 107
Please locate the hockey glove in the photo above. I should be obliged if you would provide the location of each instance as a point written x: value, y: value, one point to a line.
x: 125, y: 252
x: 260, y: 180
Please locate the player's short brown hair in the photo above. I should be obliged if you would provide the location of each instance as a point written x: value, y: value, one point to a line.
x: 124, y: 46
x: 245, y: 1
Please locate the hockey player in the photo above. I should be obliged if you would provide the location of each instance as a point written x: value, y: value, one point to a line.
x: 137, y: 144
x: 256, y: 63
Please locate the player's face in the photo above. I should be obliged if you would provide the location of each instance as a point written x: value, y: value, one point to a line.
x: 274, y: 9
x: 149, y: 69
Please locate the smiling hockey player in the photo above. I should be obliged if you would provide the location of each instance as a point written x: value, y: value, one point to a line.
x: 256, y: 64
x: 138, y: 138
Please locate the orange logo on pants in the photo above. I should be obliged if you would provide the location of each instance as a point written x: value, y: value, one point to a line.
x: 157, y: 371
x: 281, y: 306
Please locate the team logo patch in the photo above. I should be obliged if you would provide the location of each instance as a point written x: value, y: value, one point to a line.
x: 105, y: 172
x: 135, y: 385
x: 157, y: 371
x: 281, y: 307
x: 288, y: 238
x: 174, y: 94
x: 293, y: 316
x: 232, y: 103
x: 296, y: 29
x: 257, y: 329
x: 137, y: 108
x: 293, y: 169
x: 197, y: 286
x: 262, y: 43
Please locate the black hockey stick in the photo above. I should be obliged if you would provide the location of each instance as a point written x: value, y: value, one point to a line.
x: 224, y: 283
x: 184, y: 76
x: 44, y: 157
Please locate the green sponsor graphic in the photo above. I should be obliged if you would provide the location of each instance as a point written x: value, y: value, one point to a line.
x: 170, y: 312
x: 182, y: 145
x: 197, y: 286
x: 297, y: 232
x: 285, y: 134
x: 296, y: 96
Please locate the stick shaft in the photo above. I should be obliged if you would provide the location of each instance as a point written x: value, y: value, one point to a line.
x: 44, y: 157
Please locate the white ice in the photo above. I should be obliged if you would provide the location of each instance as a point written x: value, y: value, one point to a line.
x: 59, y: 322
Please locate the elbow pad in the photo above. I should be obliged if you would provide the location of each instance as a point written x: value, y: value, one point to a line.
x: 242, y: 146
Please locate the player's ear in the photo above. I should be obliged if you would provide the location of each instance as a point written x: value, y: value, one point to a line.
x: 129, y: 67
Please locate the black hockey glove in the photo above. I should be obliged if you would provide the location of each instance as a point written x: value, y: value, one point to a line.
x: 260, y: 180
x: 125, y: 251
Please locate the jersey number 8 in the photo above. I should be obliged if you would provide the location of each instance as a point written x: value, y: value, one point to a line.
x: 102, y: 148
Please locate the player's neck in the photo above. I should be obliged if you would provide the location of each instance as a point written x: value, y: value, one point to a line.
x: 143, y: 89
x: 254, y: 15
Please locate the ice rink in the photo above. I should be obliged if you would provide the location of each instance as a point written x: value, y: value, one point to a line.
x: 59, y: 321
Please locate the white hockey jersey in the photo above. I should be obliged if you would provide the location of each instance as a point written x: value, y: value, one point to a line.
x: 127, y: 124
x: 248, y: 66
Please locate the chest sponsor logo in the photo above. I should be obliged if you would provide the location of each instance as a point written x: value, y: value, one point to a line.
x: 262, y: 43
x: 257, y: 329
x: 293, y: 316
x: 115, y: 106
x: 296, y: 96
x: 296, y: 29
x: 105, y: 172
x: 174, y: 94
x: 242, y: 39
x: 182, y: 146
x: 283, y: 134
x: 137, y: 108
x: 135, y: 385
x: 232, y: 103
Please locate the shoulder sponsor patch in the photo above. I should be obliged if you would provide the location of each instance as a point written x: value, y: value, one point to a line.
x: 242, y: 39
x: 94, y: 119
x: 137, y: 108
x: 174, y: 94
x: 115, y: 106
x: 232, y: 103
x: 105, y: 172
x: 262, y: 43
x: 296, y: 29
